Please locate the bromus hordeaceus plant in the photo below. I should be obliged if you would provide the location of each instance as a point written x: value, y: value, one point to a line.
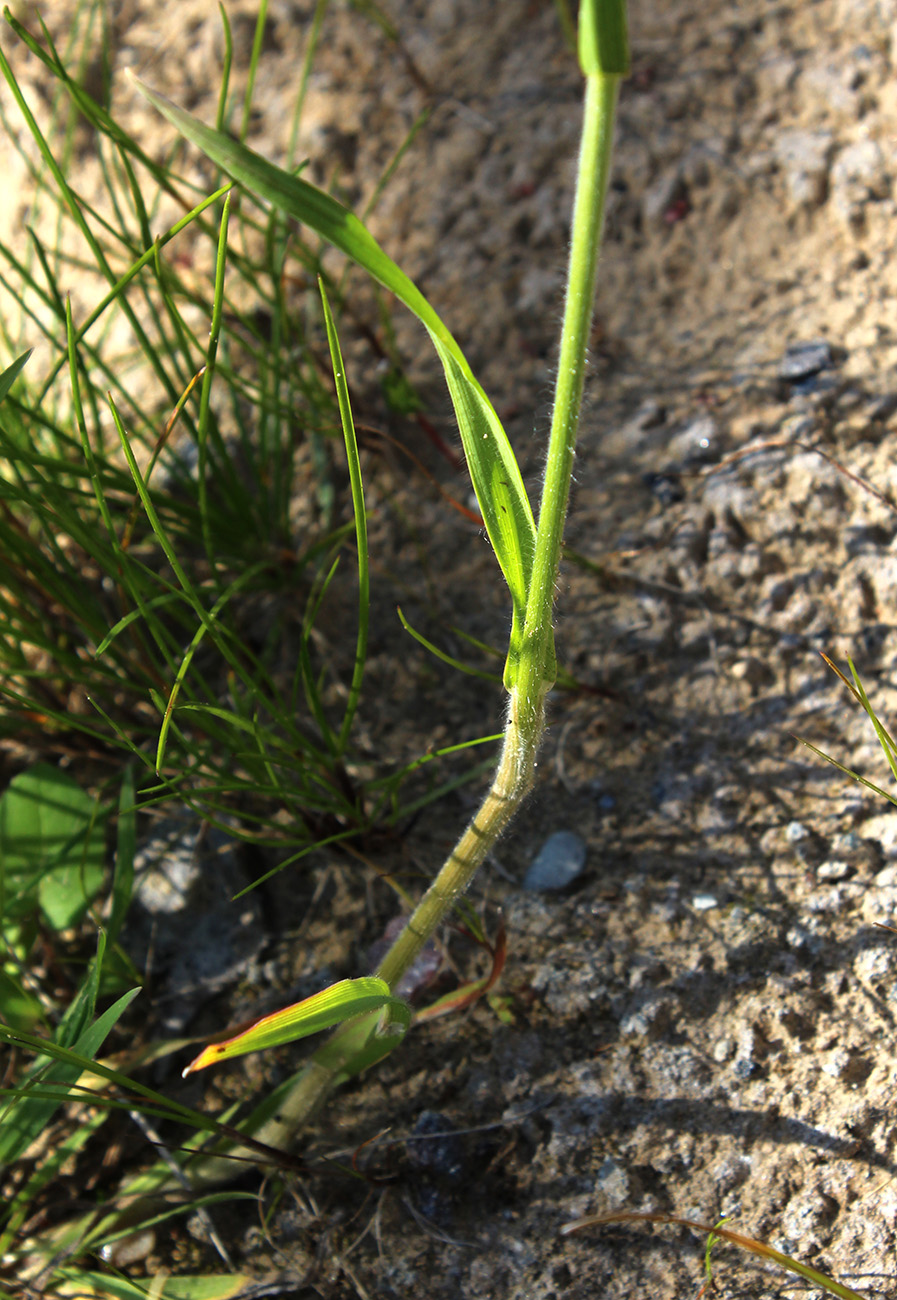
x: 371, y: 1020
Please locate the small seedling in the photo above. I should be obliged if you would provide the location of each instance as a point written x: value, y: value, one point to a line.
x: 152, y: 469
x: 527, y: 553
x: 759, y: 1248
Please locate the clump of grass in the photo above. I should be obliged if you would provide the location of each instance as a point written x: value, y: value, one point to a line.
x: 176, y: 516
x: 170, y: 500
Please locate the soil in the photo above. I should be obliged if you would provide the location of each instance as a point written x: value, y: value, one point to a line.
x: 700, y: 1022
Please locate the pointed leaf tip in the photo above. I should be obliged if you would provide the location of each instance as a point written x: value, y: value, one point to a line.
x: 332, y: 1006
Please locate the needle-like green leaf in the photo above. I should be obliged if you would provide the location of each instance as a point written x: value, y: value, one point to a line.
x: 361, y: 526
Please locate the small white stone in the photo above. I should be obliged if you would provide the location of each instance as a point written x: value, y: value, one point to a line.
x: 704, y: 902
x: 834, y: 869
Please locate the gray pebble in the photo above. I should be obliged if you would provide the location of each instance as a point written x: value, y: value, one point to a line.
x: 185, y: 920
x: 613, y: 1184
x: 804, y: 159
x: 697, y: 442
x: 806, y: 845
x: 649, y: 1018
x: 833, y: 869
x: 557, y: 864
x: 801, y: 360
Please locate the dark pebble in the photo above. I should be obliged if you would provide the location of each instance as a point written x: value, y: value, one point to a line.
x: 435, y: 1147
x: 803, y: 360
x: 666, y: 487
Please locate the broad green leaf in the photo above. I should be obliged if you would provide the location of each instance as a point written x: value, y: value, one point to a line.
x: 493, y: 468
x: 496, y: 478
x: 17, y: 1007
x: 26, y: 1117
x: 52, y: 849
x: 340, y: 1002
x: 363, y: 1042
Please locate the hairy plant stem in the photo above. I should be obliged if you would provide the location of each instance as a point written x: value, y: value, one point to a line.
x: 588, y: 219
x: 512, y: 782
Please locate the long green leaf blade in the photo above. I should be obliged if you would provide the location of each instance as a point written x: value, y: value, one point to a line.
x: 603, y: 38
x: 493, y: 468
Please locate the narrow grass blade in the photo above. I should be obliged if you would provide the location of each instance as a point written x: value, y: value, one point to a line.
x: 72, y: 1064
x: 207, y: 425
x: 361, y: 528
x: 81, y: 1284
x: 257, y: 40
x: 441, y: 654
x: 76, y: 211
x: 125, y: 851
x: 245, y: 579
x: 567, y: 24
x: 164, y: 540
x: 145, y: 259
x: 332, y: 1006
x: 884, y: 739
x: 855, y: 776
x: 19, y: 1207
x: 226, y: 66
x: 26, y: 1117
x: 389, y: 171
